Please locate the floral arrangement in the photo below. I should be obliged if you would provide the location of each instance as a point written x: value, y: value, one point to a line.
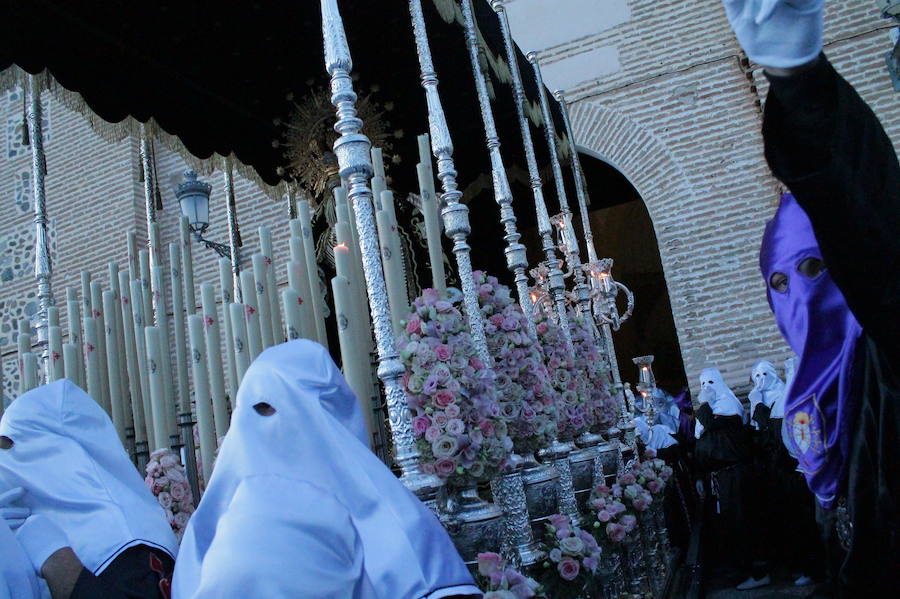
x: 503, y: 582
x: 456, y: 410
x: 573, y: 557
x: 603, y: 410
x: 613, y: 523
x: 571, y: 389
x: 528, y: 401
x: 168, y: 482
x: 653, y: 473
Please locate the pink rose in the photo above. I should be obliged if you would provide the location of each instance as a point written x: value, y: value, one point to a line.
x: 181, y: 519
x: 604, y: 516
x: 568, y: 569
x: 421, y: 424
x: 444, y: 467
x: 414, y: 326
x: 628, y: 479
x: 487, y: 427
x: 168, y: 461
x: 653, y: 486
x: 443, y: 352
x: 432, y: 433
x: 559, y: 521
x: 178, y: 492
x: 542, y: 329
x: 488, y: 563
x: 165, y: 500
x: 176, y: 475
x: 456, y: 426
x: 452, y: 411
x: 616, y: 532
x: 591, y: 563
x: 443, y: 398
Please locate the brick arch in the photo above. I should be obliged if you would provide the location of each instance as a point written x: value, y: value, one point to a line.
x: 646, y: 162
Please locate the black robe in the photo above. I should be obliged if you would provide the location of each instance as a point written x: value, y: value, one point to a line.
x: 826, y: 144
x: 140, y: 572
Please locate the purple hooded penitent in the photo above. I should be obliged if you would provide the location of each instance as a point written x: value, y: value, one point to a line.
x: 818, y: 325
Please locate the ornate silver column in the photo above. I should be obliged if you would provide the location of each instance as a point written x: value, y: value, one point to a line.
x: 234, y: 243
x: 454, y: 213
x: 516, y: 258
x: 564, y: 218
x: 352, y: 150
x: 555, y: 277
x: 580, y: 192
x: 149, y: 201
x: 509, y: 488
x: 43, y: 269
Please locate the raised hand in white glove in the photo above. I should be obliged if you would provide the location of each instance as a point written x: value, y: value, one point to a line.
x: 778, y: 33
x: 13, y: 515
x: 707, y: 395
x: 40, y: 538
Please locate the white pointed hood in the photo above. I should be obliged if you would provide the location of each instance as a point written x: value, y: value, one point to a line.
x: 720, y: 397
x: 315, y: 439
x: 767, y: 389
x: 68, y: 457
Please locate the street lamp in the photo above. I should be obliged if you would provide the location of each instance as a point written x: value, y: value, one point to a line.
x: 193, y: 197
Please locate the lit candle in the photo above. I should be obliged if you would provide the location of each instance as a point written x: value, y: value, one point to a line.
x: 54, y: 340
x: 262, y: 300
x: 202, y: 401
x: 251, y: 314
x: 100, y: 324
x: 91, y: 360
x: 299, y: 283
x: 117, y: 401
x: 140, y: 345
x: 355, y: 367
x: 432, y: 225
x: 239, y: 330
x: 157, y: 384
x: 29, y: 373
x: 131, y: 364
x: 178, y: 326
x: 265, y: 245
x: 226, y: 288
x: 187, y: 266
x: 312, y: 271
x: 70, y: 362
x: 214, y: 358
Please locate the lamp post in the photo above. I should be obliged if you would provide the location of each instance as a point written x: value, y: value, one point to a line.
x: 193, y: 197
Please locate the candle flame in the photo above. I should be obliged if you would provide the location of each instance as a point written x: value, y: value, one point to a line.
x: 341, y: 245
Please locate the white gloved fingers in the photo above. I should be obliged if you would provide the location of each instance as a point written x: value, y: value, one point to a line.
x: 11, y: 495
x: 40, y: 537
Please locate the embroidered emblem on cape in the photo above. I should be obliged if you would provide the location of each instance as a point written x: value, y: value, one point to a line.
x: 807, y: 432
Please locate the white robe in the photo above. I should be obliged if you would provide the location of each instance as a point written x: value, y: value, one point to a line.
x: 68, y: 457
x: 656, y: 437
x: 298, y: 506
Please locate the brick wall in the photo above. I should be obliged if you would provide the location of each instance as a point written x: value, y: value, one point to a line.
x: 680, y: 119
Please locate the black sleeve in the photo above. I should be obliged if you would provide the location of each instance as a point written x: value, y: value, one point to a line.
x: 137, y: 573
x: 711, y: 422
x: 704, y: 415
x: 828, y: 147
x: 761, y: 415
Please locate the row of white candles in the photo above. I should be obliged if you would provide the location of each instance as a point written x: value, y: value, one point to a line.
x: 119, y: 346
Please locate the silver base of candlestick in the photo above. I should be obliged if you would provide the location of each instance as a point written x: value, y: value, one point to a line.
x: 474, y: 524
x: 509, y: 494
x: 541, y: 493
x: 633, y: 563
x: 611, y: 577
x: 557, y: 454
x: 647, y: 528
x: 141, y: 456
x: 189, y: 455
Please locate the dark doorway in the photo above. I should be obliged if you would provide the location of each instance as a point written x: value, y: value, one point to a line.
x: 624, y: 232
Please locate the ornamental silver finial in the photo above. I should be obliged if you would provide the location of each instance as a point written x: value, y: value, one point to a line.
x: 454, y: 213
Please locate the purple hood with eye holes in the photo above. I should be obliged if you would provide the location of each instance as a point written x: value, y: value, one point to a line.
x: 817, y: 323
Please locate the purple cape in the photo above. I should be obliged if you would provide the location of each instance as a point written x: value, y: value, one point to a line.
x: 818, y: 325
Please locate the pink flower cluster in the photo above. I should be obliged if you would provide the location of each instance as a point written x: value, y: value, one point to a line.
x: 573, y: 557
x: 457, y: 418
x: 613, y: 522
x: 528, y: 401
x: 503, y: 582
x: 168, y: 482
x: 573, y: 407
x: 603, y: 409
x: 653, y: 473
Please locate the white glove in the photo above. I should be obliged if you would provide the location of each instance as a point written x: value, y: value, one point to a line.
x: 13, y: 515
x: 40, y: 538
x: 706, y: 395
x: 778, y: 33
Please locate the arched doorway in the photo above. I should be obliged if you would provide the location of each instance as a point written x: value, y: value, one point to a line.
x: 624, y: 232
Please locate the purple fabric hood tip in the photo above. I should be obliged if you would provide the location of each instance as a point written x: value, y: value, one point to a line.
x: 817, y: 323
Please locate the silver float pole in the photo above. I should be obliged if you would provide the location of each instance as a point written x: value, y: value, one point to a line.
x: 43, y: 269
x: 352, y: 150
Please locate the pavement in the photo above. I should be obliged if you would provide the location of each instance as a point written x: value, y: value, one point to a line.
x: 721, y: 586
